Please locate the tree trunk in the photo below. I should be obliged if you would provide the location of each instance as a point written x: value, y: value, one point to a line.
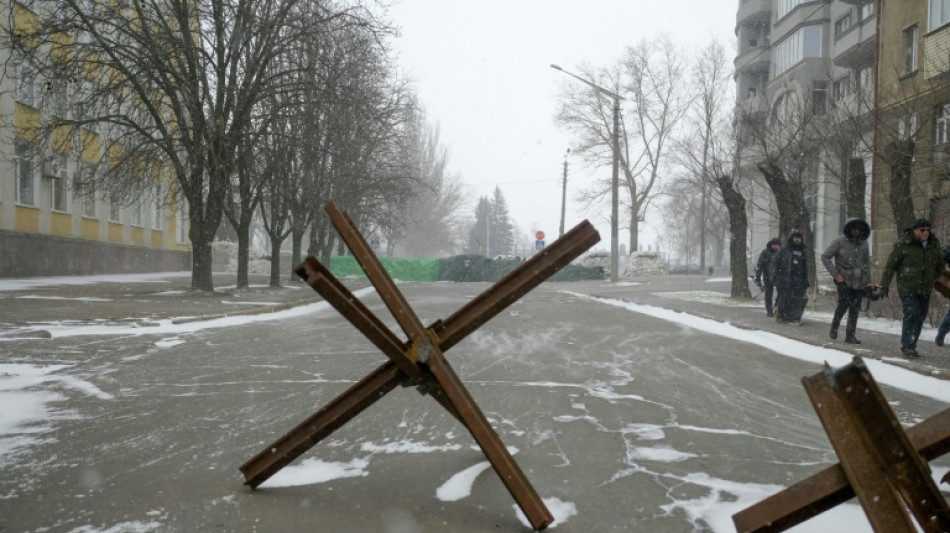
x: 242, y: 260
x: 857, y: 188
x: 793, y: 213
x: 204, y: 220
x: 201, y: 279
x: 738, y: 225
x: 634, y: 229
x: 275, y: 244
x: 296, y: 244
x: 702, y: 226
x: 900, y: 159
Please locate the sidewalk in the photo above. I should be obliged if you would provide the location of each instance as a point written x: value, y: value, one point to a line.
x: 709, y: 298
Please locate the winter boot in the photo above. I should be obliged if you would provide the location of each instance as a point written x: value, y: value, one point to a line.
x: 938, y: 340
x: 834, y: 331
x: 851, y: 339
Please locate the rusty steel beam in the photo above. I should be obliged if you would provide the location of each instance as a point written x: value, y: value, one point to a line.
x: 322, y: 423
x: 488, y: 440
x: 515, y: 284
x: 426, y: 347
x: 421, y: 359
x: 881, y: 502
x: 829, y: 487
x: 377, y: 275
x: 882, y: 435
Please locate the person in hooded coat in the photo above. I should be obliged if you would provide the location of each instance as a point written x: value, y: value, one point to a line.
x: 762, y: 270
x: 789, y: 271
x: 848, y: 260
x: 917, y: 263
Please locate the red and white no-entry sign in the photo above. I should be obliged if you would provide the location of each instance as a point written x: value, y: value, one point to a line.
x: 539, y: 235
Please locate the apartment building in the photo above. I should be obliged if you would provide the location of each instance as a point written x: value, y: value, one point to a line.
x: 817, y: 56
x: 912, y: 163
x: 52, y: 220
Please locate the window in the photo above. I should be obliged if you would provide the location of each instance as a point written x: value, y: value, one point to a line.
x: 182, y: 207
x: 158, y: 204
x: 24, y: 173
x: 751, y: 92
x: 24, y: 80
x: 804, y: 43
x: 942, y: 122
x: 865, y: 79
x: 58, y: 101
x: 114, y: 207
x: 819, y: 100
x: 866, y: 10
x: 86, y: 187
x: 785, y: 6
x: 135, y: 211
x: 907, y: 126
x: 939, y: 13
x: 843, y: 24
x: 57, y: 174
x: 841, y: 89
x: 753, y: 43
x: 910, y: 50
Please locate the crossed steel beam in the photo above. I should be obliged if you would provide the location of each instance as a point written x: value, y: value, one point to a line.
x: 882, y: 465
x: 420, y: 361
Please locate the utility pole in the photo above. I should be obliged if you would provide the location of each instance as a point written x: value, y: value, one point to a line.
x: 563, y: 194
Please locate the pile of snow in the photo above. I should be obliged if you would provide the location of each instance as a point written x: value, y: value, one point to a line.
x: 644, y: 264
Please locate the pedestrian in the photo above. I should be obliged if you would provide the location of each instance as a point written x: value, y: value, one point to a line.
x: 763, y: 276
x: 848, y: 261
x: 790, y: 275
x: 944, y: 327
x: 917, y: 263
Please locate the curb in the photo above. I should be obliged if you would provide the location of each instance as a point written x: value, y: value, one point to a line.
x: 252, y: 311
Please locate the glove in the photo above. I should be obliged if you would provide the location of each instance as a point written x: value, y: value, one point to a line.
x: 885, y: 290
x: 758, y: 283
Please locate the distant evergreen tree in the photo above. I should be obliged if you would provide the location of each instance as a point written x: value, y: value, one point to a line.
x: 478, y: 235
x: 501, y: 228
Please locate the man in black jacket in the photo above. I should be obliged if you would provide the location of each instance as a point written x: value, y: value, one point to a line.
x: 790, y: 275
x: 762, y: 268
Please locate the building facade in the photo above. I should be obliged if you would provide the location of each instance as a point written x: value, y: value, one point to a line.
x: 814, y: 61
x: 53, y: 220
x: 912, y: 163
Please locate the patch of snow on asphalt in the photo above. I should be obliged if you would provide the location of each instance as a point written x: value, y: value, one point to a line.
x: 460, y: 485
x: 312, y: 471
x: 25, y: 407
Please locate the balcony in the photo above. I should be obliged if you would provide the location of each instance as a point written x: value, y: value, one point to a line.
x: 855, y: 47
x: 755, y: 60
x: 754, y: 12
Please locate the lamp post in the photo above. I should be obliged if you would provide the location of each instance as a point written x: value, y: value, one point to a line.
x: 615, y: 171
x: 563, y: 194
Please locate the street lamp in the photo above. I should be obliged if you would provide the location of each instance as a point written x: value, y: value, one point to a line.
x: 615, y: 174
x: 563, y: 194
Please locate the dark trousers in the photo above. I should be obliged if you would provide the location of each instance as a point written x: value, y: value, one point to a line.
x: 849, y: 300
x: 915, y: 311
x: 791, y: 302
x: 768, y: 292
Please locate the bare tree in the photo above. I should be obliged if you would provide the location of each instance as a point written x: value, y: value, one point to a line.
x: 431, y: 214
x: 650, y: 80
x: 176, y: 81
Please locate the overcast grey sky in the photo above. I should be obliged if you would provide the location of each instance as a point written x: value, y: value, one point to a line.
x: 482, y: 70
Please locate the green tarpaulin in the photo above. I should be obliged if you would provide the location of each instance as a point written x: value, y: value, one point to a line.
x: 398, y: 269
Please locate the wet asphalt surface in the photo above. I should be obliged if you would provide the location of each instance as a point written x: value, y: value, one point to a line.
x: 634, y: 421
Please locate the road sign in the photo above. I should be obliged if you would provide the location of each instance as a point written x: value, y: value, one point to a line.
x: 539, y: 235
